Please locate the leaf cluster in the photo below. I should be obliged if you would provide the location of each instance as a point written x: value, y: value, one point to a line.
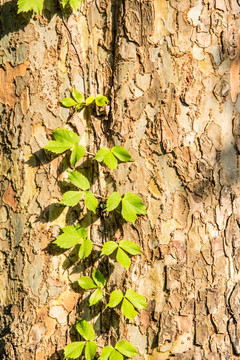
x: 78, y: 102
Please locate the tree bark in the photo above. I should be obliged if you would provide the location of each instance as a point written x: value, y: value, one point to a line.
x: 171, y: 70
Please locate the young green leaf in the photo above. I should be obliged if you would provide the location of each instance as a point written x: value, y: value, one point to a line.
x: 110, y: 161
x: 113, y: 201
x: 123, y: 259
x: 75, y: 4
x: 85, y: 249
x: 98, y: 278
x: 74, y: 350
x: 106, y: 352
x: 121, y: 153
x: 90, y: 350
x: 95, y: 297
x: 132, y: 206
x: 109, y: 247
x: 101, y: 154
x: 126, y: 348
x: 128, y: 310
x: 80, y: 231
x: 65, y: 135
x: 27, y: 5
x: 89, y: 100
x: 136, y: 299
x: 91, y: 201
x: 79, y: 180
x: 68, y: 102
x: 71, y: 198
x: 75, y: 93
x: 101, y: 100
x: 115, y: 298
x: 130, y: 247
x: 71, y: 236
x: 86, y: 283
x: 63, y: 140
x: 115, y: 355
x: 85, y: 330
x: 77, y: 153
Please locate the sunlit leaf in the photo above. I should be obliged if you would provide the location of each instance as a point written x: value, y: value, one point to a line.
x: 101, y: 154
x: 90, y: 350
x: 91, y: 201
x: 115, y: 298
x: 85, y: 330
x: 130, y: 247
x: 98, y: 278
x: 109, y: 247
x: 86, y: 283
x: 128, y: 309
x: 79, y: 180
x: 136, y: 299
x: 132, y: 206
x: 126, y: 348
x: 75, y: 93
x: 95, y: 297
x: 27, y: 5
x: 85, y: 249
x: 101, y: 100
x: 113, y: 201
x: 63, y: 140
x: 121, y: 153
x: 77, y: 153
x: 70, y: 237
x: 74, y: 350
x: 89, y: 100
x: 106, y: 352
x: 68, y: 102
x: 110, y: 161
x: 115, y: 355
x: 123, y: 258
x: 71, y: 198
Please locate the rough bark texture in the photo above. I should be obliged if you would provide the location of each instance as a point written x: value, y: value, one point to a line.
x: 171, y: 69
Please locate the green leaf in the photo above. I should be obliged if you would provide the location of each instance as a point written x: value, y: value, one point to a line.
x: 63, y: 140
x: 121, y: 153
x: 90, y: 350
x: 109, y: 247
x: 71, y: 198
x: 85, y: 249
x: 101, y: 154
x: 136, y: 299
x: 79, y: 180
x: 86, y: 283
x: 75, y: 93
x: 71, y: 236
x: 128, y: 310
x: 27, y: 5
x: 90, y: 201
x: 130, y: 247
x: 81, y: 232
x: 126, y: 348
x: 77, y: 153
x: 101, y: 100
x: 98, y: 278
x: 68, y: 102
x: 110, y: 161
x: 65, y: 135
x: 106, y: 352
x: 95, y: 297
x: 123, y: 259
x: 113, y: 201
x: 132, y: 206
x: 75, y: 4
x: 115, y: 298
x: 115, y: 355
x: 85, y: 330
x: 74, y: 350
x: 89, y: 100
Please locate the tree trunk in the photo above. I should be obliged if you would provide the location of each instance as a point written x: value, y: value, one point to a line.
x: 171, y: 70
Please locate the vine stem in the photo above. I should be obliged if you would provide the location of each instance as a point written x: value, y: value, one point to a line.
x: 89, y: 153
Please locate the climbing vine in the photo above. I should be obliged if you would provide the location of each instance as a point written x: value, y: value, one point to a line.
x: 128, y: 206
